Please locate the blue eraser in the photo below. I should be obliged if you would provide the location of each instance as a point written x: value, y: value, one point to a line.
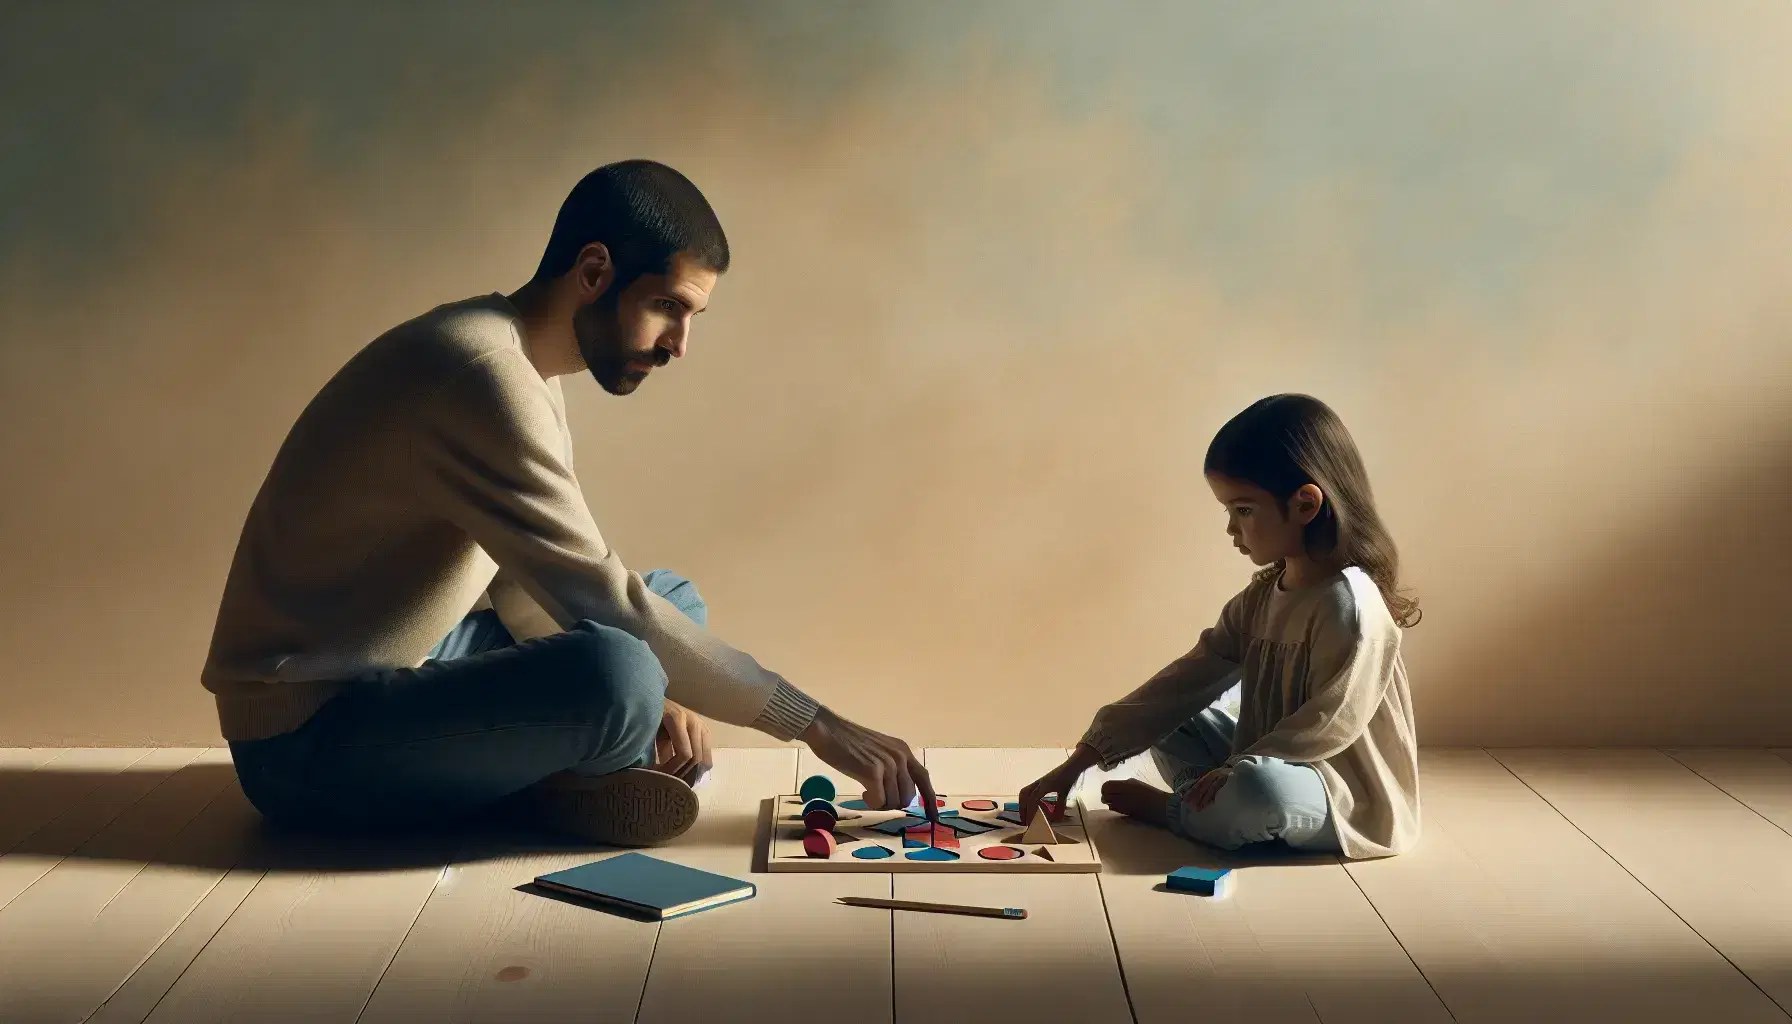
x: 1201, y: 881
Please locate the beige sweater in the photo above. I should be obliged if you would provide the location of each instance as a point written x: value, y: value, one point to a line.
x: 1323, y: 685
x: 431, y: 475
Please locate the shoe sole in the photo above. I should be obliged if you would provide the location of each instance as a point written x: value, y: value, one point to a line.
x: 632, y: 807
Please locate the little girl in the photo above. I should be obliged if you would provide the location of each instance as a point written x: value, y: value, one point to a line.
x: 1322, y: 755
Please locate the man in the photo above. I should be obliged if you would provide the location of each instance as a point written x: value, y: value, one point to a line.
x: 422, y: 518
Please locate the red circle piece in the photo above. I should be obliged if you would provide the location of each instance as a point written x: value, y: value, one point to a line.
x: 1000, y: 853
x: 817, y: 843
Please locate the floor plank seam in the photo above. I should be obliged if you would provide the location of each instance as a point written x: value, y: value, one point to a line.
x: 1743, y: 803
x: 892, y: 878
x: 659, y: 929
x: 198, y: 953
x: 151, y: 955
x: 120, y: 892
x: 75, y: 806
x: 1379, y: 916
x: 1114, y: 940
x: 145, y: 865
x: 1626, y: 869
x: 441, y: 874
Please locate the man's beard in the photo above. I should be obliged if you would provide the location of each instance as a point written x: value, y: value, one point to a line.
x: 598, y: 330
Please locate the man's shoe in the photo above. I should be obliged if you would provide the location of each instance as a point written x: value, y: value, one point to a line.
x: 632, y: 807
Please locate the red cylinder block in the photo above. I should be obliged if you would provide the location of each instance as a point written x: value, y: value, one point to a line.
x: 818, y: 843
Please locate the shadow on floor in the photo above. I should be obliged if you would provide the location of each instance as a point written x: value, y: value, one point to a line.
x: 1131, y: 848
x: 198, y: 817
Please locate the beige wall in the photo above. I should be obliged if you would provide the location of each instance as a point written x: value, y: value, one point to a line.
x: 999, y: 276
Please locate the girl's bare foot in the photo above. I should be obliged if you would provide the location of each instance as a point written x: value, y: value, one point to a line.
x: 1136, y: 799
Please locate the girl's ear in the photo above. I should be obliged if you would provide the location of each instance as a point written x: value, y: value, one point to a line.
x: 1304, y: 506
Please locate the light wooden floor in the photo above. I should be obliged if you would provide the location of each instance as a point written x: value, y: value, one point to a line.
x: 1551, y: 885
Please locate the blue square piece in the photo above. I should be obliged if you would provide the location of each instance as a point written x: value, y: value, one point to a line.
x: 896, y: 826
x: 1201, y: 881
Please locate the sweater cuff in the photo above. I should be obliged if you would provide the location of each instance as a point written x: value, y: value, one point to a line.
x: 788, y: 714
x: 1104, y: 745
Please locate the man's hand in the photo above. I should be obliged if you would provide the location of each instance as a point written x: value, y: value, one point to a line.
x: 884, y: 765
x: 682, y: 743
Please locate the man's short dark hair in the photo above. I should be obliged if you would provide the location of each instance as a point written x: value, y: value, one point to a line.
x: 644, y: 213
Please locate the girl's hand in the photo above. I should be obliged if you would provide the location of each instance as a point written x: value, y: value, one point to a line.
x: 1206, y: 788
x: 1060, y: 780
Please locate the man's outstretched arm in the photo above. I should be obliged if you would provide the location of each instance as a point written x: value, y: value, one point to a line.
x: 486, y: 455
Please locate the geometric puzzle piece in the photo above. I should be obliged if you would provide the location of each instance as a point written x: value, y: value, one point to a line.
x: 818, y: 844
x: 838, y: 815
x: 969, y: 826
x: 896, y: 825
x: 822, y: 805
x: 950, y: 843
x: 856, y: 805
x: 1040, y: 833
x: 1052, y: 811
x: 817, y: 787
x: 821, y: 818
x: 978, y: 805
x: 923, y: 835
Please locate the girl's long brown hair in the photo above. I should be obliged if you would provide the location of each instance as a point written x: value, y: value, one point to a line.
x: 1284, y: 442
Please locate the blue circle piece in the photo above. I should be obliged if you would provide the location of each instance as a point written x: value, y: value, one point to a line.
x: 817, y: 787
x: 872, y: 853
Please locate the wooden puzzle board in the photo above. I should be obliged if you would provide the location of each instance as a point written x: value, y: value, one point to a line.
x: 1074, y: 852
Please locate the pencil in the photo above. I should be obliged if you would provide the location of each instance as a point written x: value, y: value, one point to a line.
x: 1007, y: 913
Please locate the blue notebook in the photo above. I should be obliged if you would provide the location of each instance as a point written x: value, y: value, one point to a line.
x: 647, y: 886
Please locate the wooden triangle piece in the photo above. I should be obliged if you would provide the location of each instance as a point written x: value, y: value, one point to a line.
x: 1040, y: 831
x: 1044, y: 852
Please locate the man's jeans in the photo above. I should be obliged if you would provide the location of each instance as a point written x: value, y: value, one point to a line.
x: 483, y: 718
